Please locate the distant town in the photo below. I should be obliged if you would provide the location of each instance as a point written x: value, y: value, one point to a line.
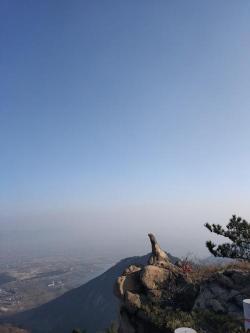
x: 32, y: 282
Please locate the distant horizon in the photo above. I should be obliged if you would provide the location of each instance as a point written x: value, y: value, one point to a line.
x: 122, y: 118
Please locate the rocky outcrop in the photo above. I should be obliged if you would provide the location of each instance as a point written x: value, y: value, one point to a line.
x: 160, y: 296
x: 224, y: 292
x: 158, y: 256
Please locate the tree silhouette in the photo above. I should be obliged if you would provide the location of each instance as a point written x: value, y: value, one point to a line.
x: 238, y: 232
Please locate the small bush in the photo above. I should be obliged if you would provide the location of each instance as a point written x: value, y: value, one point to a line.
x: 201, y: 321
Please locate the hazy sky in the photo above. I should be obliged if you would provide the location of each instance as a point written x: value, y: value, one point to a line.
x: 121, y: 117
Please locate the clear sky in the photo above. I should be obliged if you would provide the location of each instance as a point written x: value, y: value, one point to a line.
x: 132, y: 115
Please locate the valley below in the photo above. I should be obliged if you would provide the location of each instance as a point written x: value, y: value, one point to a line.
x: 29, y: 282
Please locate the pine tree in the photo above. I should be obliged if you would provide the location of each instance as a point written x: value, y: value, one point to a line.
x: 238, y: 232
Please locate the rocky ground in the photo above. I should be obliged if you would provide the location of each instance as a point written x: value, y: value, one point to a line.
x: 160, y: 296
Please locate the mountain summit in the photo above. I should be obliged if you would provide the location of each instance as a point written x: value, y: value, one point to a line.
x: 160, y: 296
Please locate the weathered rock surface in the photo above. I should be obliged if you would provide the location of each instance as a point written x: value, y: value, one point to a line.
x: 167, y: 287
x: 153, y: 277
x: 158, y: 256
x: 128, y: 281
x: 224, y: 292
x: 132, y: 301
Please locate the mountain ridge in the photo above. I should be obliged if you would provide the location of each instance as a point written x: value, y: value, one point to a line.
x: 91, y: 306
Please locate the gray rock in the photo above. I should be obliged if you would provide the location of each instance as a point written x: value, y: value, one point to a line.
x: 215, y: 305
x: 154, y: 277
x: 132, y: 301
x: 158, y: 256
x: 129, y: 281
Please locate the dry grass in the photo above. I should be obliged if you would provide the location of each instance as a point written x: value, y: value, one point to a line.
x: 199, y: 273
x: 242, y: 265
x: 201, y: 321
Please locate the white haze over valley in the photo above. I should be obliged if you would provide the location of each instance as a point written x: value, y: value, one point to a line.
x: 114, y: 232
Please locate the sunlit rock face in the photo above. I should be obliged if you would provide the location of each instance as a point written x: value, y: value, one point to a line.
x: 150, y: 294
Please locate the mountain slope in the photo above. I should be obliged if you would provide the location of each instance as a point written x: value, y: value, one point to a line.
x: 91, y: 306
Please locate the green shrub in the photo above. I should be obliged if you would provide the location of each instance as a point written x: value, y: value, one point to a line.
x: 201, y: 321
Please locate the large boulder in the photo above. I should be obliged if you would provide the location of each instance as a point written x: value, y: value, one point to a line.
x: 128, y: 281
x: 154, y: 277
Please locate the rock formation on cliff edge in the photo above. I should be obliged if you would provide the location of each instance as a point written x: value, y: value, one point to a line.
x: 161, y: 296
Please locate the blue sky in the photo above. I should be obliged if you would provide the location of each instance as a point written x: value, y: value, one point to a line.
x: 118, y: 103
